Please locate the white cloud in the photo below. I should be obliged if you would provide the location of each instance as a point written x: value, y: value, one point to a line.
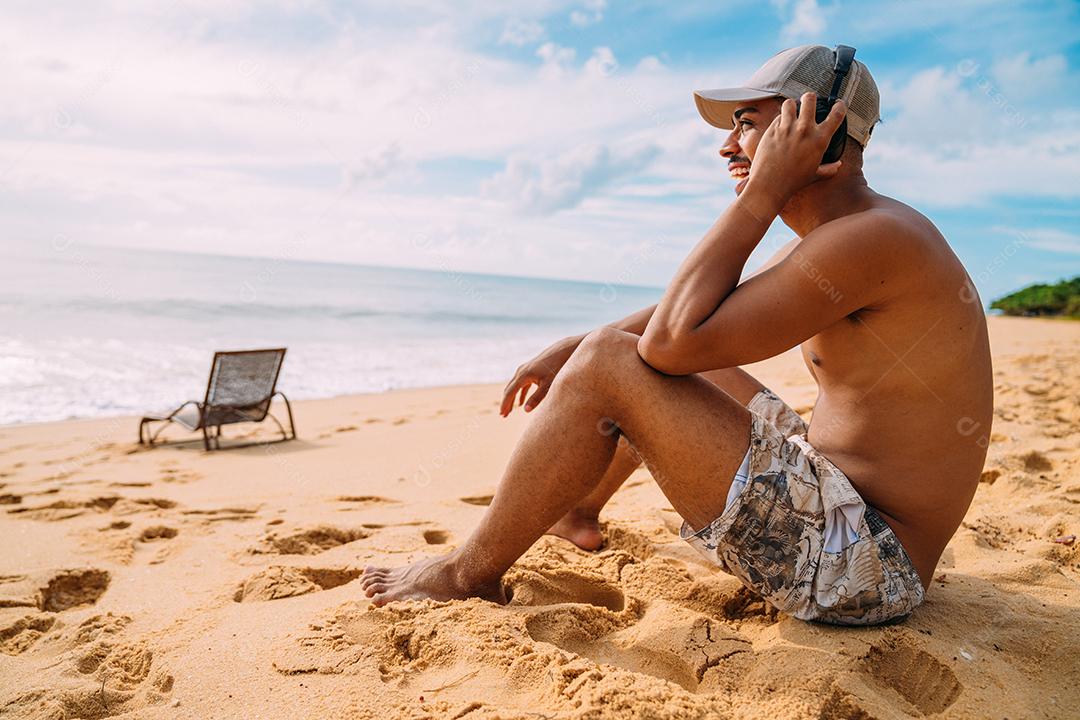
x: 1049, y: 239
x: 803, y: 19
x: 649, y: 63
x: 592, y: 13
x: 184, y: 132
x: 951, y: 139
x: 377, y: 166
x: 556, y: 60
x: 310, y: 151
x: 1023, y: 78
x: 545, y: 185
x: 602, y: 62
x: 972, y: 175
x: 520, y: 32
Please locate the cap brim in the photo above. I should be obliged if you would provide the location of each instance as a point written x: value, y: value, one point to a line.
x: 717, y: 106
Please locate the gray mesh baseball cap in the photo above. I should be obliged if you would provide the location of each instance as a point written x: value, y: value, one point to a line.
x: 807, y: 68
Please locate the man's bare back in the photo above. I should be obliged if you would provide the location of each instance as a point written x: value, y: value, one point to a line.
x: 905, y: 395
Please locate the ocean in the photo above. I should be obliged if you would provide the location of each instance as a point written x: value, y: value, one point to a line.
x: 91, y: 331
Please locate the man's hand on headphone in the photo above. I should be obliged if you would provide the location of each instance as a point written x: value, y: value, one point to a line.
x: 789, y: 156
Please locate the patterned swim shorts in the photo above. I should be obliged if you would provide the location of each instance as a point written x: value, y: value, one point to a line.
x: 797, y: 533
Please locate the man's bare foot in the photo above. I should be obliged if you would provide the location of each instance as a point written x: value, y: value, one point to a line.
x: 582, y: 529
x: 435, y: 578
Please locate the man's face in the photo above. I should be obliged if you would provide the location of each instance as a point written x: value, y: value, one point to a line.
x: 751, y: 119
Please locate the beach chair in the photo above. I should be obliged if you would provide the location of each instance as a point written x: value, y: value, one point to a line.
x: 241, y: 387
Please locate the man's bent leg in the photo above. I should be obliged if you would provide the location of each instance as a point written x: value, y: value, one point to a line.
x: 692, y: 435
x: 581, y: 525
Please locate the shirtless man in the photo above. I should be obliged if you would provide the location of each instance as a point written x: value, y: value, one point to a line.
x: 842, y: 521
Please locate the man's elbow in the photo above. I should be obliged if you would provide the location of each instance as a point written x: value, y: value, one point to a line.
x: 668, y: 356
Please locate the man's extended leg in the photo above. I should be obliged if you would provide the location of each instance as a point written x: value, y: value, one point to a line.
x: 581, y: 525
x: 691, y: 434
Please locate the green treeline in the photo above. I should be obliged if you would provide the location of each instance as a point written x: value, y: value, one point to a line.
x: 1062, y: 298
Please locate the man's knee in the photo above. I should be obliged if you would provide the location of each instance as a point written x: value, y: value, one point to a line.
x: 608, y: 343
x: 603, y: 355
x: 597, y: 367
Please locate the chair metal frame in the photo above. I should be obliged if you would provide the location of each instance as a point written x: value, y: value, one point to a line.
x: 212, y: 416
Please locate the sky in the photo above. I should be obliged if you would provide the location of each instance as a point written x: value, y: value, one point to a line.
x: 554, y: 139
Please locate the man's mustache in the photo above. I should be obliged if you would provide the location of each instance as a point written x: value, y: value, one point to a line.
x: 734, y: 159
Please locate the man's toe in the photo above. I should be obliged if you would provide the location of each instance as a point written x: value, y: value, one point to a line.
x: 375, y: 588
x: 380, y: 599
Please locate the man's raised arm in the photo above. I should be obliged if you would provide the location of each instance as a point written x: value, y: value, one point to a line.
x: 787, y: 159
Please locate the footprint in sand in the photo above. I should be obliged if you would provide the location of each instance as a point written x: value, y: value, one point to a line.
x: 593, y: 618
x: 47, y: 491
x: 116, y: 525
x: 18, y: 635
x: 88, y: 632
x: 309, y: 541
x: 99, y: 675
x: 10, y: 499
x: 158, y: 532
x: 896, y: 662
x: 716, y: 595
x: 112, y: 543
x: 174, y: 475
x: 482, y: 500
x: 134, y: 505
x: 97, y: 627
x: 363, y: 500
x: 54, y: 591
x: 1035, y: 461
x: 65, y: 460
x: 226, y: 514
x: 634, y: 542
x: 436, y: 537
x: 380, y: 526
x: 87, y: 481
x: 67, y: 509
x: 988, y: 534
x: 279, y: 581
x: 562, y: 585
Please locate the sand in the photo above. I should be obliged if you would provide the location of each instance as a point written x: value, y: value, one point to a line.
x: 174, y: 583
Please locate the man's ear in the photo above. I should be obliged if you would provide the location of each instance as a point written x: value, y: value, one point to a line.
x: 824, y: 172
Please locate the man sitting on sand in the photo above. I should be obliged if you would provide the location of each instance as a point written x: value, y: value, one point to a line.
x: 842, y: 521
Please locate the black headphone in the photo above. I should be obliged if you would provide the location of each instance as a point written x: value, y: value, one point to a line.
x: 843, y: 55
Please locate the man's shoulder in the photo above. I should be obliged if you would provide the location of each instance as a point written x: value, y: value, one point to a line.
x: 881, y: 255
x: 886, y: 217
x: 889, y: 231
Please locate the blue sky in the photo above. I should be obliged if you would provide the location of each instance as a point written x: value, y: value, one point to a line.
x: 551, y: 138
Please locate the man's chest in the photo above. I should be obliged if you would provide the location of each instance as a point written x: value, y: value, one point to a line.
x: 849, y: 353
